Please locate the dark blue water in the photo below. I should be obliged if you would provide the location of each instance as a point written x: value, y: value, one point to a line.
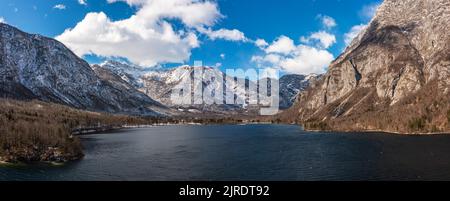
x: 252, y: 152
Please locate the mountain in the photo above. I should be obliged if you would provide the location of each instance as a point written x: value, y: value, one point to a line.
x: 127, y: 72
x: 395, y: 76
x: 158, y: 85
x: 36, y: 67
x: 291, y: 86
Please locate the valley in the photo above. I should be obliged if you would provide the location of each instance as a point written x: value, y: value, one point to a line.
x: 394, y: 77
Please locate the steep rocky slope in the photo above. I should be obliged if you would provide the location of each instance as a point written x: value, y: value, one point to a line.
x: 291, y: 86
x: 130, y: 89
x: 36, y: 67
x: 395, y: 76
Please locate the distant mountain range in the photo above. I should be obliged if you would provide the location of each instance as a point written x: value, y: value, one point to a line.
x: 158, y: 85
x: 36, y: 67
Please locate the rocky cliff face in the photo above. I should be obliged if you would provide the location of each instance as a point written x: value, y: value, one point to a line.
x: 36, y: 67
x: 393, y: 76
x: 291, y: 86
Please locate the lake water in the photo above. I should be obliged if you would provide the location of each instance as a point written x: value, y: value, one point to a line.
x: 250, y: 152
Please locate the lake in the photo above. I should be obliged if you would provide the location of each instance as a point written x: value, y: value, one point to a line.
x: 247, y: 152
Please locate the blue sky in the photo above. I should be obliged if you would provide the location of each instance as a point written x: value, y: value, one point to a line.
x: 301, y: 36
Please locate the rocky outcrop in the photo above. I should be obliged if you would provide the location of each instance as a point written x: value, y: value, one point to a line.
x: 36, y: 67
x: 394, y: 73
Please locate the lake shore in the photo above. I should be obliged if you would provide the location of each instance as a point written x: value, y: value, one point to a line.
x: 378, y: 131
x: 356, y: 131
x: 259, y: 152
x: 40, y: 131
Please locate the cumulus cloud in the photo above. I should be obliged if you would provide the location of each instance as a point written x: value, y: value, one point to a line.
x: 309, y: 56
x: 261, y: 43
x: 60, y: 6
x: 353, y: 33
x: 327, y: 21
x: 222, y: 56
x: 82, y: 2
x: 267, y: 59
x: 322, y: 38
x: 192, y: 13
x: 129, y: 2
x: 307, y: 60
x: 2, y: 20
x: 282, y: 45
x: 146, y: 38
x: 224, y: 34
x: 284, y: 55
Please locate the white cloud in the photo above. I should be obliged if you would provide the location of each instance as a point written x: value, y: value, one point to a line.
x: 192, y: 13
x: 282, y: 45
x: 327, y: 21
x: 307, y: 60
x: 353, y: 33
x: 2, y: 20
x: 268, y: 59
x: 222, y: 56
x: 224, y: 34
x: 60, y: 6
x: 82, y: 2
x: 146, y: 38
x: 130, y: 2
x: 369, y: 11
x: 261, y: 43
x: 324, y: 39
x: 291, y: 58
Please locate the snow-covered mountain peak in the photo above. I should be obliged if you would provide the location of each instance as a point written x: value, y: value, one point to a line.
x: 159, y: 83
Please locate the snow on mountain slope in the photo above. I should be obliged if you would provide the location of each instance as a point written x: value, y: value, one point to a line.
x: 158, y: 84
x: 36, y: 67
x: 291, y: 86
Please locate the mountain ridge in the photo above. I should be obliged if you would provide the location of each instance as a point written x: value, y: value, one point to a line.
x: 158, y: 85
x: 393, y: 77
x: 36, y: 67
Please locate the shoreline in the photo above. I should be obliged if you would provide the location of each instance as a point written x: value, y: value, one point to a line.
x: 2, y: 162
x: 116, y: 128
x: 22, y: 163
x: 92, y: 131
x: 380, y: 131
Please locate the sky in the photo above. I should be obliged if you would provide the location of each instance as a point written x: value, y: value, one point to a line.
x: 293, y: 36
